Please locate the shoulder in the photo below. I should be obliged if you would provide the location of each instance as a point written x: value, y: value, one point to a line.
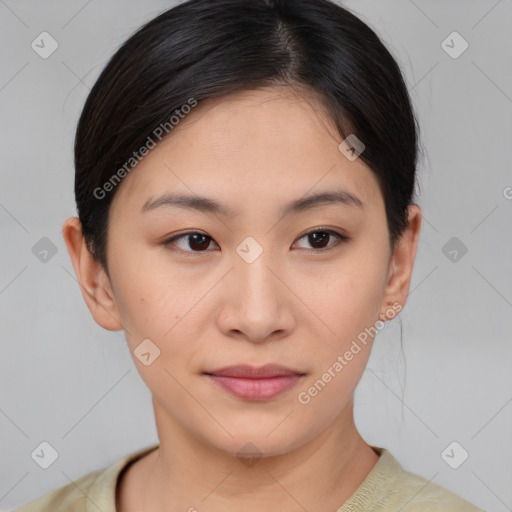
x: 389, y: 487
x: 69, y: 497
x: 91, y: 492
x: 422, y: 495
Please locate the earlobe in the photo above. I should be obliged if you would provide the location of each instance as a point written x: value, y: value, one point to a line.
x: 402, y: 263
x: 92, y: 278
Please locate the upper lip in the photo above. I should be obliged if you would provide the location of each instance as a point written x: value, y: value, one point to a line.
x: 247, y: 371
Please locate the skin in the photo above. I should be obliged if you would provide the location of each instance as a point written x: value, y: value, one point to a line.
x: 253, y: 152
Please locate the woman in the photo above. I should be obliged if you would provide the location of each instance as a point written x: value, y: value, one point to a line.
x: 244, y: 181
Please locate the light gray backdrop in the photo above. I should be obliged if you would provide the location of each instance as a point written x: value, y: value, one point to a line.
x: 66, y: 381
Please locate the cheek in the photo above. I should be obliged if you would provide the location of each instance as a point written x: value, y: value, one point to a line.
x: 156, y: 312
x: 143, y: 303
x: 349, y: 305
x: 348, y: 297
x: 163, y: 305
x: 149, y: 297
x: 153, y: 311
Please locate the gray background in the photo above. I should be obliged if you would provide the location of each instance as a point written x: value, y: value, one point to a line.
x: 65, y: 380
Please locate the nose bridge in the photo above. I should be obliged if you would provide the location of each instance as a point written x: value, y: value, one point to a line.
x: 257, y: 286
x: 257, y: 303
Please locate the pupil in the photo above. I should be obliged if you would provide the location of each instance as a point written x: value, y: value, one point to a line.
x: 195, y: 245
x: 319, y: 236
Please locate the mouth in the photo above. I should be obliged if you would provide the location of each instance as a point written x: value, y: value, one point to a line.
x: 255, y: 383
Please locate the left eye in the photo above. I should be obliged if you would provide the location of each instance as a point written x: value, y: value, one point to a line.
x: 319, y: 239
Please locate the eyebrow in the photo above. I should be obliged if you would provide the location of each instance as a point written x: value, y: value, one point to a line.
x: 207, y: 205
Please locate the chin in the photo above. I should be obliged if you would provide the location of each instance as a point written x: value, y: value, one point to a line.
x: 257, y: 442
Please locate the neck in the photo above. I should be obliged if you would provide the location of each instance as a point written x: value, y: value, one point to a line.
x: 185, y: 473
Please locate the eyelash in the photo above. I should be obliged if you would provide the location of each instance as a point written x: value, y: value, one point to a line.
x: 340, y: 239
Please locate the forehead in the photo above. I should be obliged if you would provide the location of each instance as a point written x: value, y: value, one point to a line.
x: 248, y: 149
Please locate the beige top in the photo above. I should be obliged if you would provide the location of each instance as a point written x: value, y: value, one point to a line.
x: 387, y: 488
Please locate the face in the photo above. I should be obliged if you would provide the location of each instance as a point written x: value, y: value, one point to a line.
x: 255, y: 281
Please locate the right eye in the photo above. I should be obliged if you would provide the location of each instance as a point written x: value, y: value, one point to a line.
x: 191, y: 242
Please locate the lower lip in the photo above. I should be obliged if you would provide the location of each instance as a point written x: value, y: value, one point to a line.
x: 256, y: 389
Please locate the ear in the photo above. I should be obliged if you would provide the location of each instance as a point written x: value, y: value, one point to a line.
x: 92, y: 278
x: 401, y: 265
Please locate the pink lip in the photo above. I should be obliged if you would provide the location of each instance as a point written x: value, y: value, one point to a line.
x: 253, y: 383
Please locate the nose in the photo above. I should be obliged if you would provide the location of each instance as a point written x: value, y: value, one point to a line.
x: 257, y: 304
